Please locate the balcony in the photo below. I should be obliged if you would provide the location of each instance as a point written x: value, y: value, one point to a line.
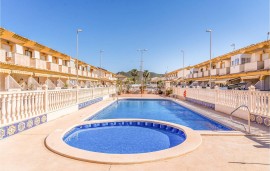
x: 215, y: 71
x: 52, y: 66
x: 72, y: 71
x: 88, y: 74
x: 79, y: 72
x: 200, y: 74
x: 237, y: 68
x: 253, y: 66
x: 84, y: 73
x: 63, y: 69
x: 224, y: 71
x: 18, y: 59
x: 206, y: 73
x: 267, y: 63
x: 3, y: 55
x: 39, y: 64
x: 189, y: 76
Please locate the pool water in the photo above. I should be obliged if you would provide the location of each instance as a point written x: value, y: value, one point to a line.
x: 164, y: 110
x: 124, y: 137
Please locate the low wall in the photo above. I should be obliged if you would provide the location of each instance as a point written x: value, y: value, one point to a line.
x: 205, y: 104
x: 227, y: 110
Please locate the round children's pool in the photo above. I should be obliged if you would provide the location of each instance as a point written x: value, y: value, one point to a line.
x: 123, y: 141
x: 125, y: 137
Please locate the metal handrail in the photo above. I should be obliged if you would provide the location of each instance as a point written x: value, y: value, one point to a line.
x: 248, y: 117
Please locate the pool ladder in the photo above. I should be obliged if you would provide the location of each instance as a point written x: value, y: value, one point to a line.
x: 241, y: 123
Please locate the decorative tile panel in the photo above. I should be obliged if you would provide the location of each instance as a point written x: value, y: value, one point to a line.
x: 21, y: 126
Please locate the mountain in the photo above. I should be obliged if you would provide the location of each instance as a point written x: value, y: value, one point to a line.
x: 152, y: 74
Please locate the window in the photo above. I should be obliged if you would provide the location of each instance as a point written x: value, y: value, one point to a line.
x: 232, y: 63
x: 223, y: 65
x: 245, y: 60
x: 43, y: 57
x: 64, y: 63
x: 28, y: 53
x: 236, y: 62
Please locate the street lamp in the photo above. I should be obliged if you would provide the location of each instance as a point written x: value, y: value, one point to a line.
x: 77, y: 53
x: 268, y: 33
x: 141, y: 67
x: 233, y: 45
x: 183, y: 63
x: 210, y: 31
x: 100, y: 57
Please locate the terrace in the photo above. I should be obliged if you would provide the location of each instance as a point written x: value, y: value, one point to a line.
x: 35, y: 154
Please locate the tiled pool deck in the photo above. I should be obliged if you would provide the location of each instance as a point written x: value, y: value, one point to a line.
x: 26, y: 151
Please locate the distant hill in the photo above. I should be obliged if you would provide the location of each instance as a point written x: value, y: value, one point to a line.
x: 152, y: 74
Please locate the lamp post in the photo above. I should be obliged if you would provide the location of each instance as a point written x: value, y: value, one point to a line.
x: 77, y: 53
x: 268, y: 33
x: 183, y: 63
x: 77, y: 56
x: 141, y: 67
x: 233, y: 45
x: 210, y: 31
x: 100, y: 57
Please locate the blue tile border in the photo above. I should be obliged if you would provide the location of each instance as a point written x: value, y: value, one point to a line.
x: 21, y: 126
x: 90, y: 102
x: 206, y: 104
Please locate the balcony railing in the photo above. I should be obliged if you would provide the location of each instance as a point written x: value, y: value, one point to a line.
x: 237, y: 68
x: 52, y: 66
x: 267, y: 63
x: 215, y: 71
x: 200, y: 74
x: 72, y: 70
x: 224, y: 71
x: 63, y: 69
x: 253, y: 66
x: 39, y: 64
x: 19, y: 59
x: 206, y: 73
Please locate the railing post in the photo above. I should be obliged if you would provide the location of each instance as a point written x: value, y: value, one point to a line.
x: 216, y: 94
x: 45, y: 101
x: 251, y: 89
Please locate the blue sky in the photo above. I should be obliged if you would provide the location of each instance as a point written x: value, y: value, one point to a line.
x: 120, y: 27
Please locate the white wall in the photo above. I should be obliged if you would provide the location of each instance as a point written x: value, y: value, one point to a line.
x: 36, y: 54
x: 49, y: 58
x: 265, y: 56
x: 18, y: 49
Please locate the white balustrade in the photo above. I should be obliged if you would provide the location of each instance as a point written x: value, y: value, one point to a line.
x: 16, y: 106
x: 257, y: 101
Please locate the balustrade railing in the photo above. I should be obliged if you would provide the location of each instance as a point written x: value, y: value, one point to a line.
x: 20, y: 105
x: 257, y: 101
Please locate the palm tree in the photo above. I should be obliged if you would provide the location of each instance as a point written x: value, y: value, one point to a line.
x: 134, y: 74
x: 146, y: 75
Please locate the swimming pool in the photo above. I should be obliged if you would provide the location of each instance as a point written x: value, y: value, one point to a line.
x: 124, y: 137
x: 123, y: 141
x: 158, y: 109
